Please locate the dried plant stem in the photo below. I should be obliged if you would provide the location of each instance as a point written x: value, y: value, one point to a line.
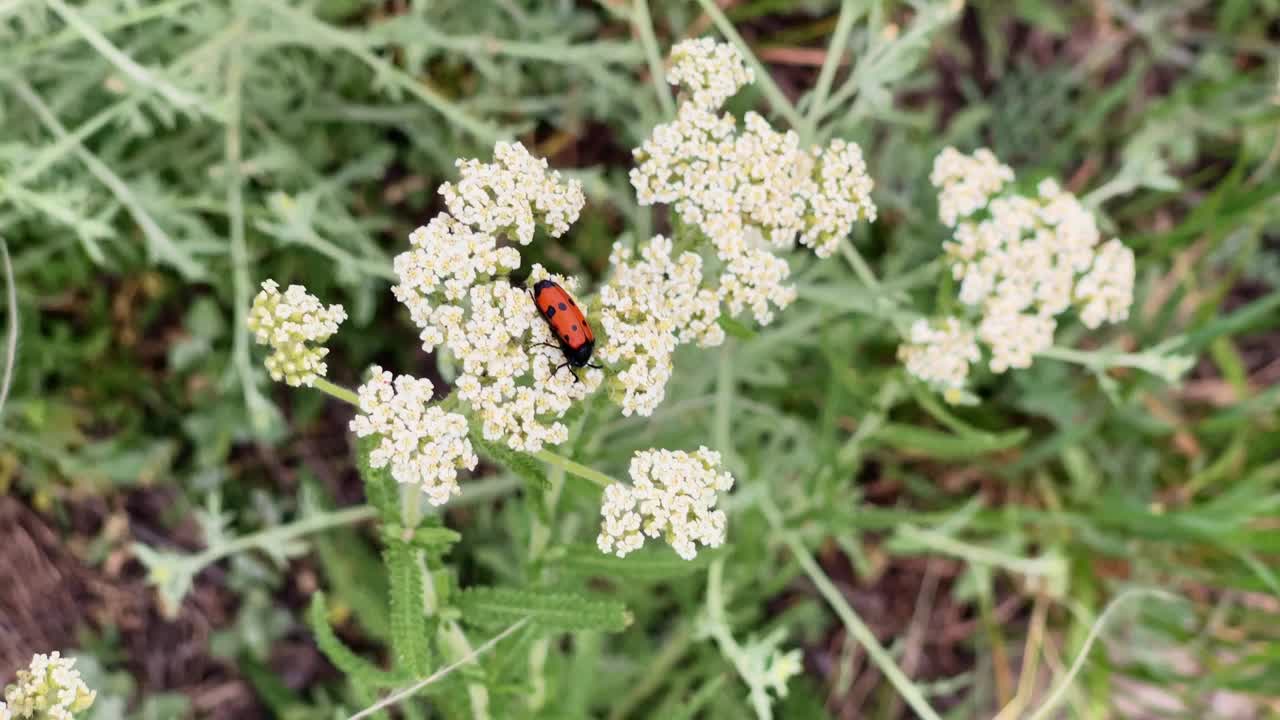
x: 852, y: 623
x: 441, y: 673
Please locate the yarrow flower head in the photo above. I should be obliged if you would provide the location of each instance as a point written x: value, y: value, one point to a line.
x: 423, y: 444
x: 751, y: 193
x: 940, y: 353
x: 711, y: 72
x: 512, y: 372
x: 672, y: 495
x: 512, y: 195
x: 50, y: 688
x: 649, y: 306
x: 966, y: 182
x: 295, y: 324
x: 1022, y: 261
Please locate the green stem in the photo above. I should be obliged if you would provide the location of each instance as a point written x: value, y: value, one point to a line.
x: 884, y: 301
x: 1045, y: 566
x: 11, y: 341
x: 849, y: 11
x: 719, y: 630
x: 176, y: 96
x: 1169, y: 367
x: 574, y: 468
x: 770, y: 89
x: 238, y: 245
x: 854, y: 624
x: 279, y: 535
x: 859, y: 264
x: 336, y: 391
x: 643, y: 24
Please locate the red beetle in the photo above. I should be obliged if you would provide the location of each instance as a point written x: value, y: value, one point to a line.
x: 567, y: 323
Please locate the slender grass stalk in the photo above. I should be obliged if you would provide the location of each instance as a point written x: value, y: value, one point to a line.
x: 441, y: 673
x: 606, y: 51
x: 776, y: 97
x: 854, y: 624
x: 1047, y: 566
x: 239, y: 249
x: 1059, y: 690
x: 643, y: 24
x: 11, y: 336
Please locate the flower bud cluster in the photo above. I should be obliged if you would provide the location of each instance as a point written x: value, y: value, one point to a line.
x: 294, y: 324
x: 50, y: 688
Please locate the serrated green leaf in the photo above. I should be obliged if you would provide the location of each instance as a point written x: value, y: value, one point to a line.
x: 520, y: 464
x: 943, y: 445
x: 492, y: 608
x: 357, y: 668
x: 646, y: 565
x: 355, y: 577
x: 379, y: 487
x: 735, y: 328
x: 427, y: 538
x: 410, y: 634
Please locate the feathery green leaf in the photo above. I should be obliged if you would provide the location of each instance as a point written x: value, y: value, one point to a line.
x: 410, y: 631
x: 491, y: 607
x: 360, y: 670
x: 649, y: 564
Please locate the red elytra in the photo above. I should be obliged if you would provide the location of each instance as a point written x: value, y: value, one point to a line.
x: 566, y: 321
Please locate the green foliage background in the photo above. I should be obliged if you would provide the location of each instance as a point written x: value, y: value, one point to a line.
x: 158, y: 159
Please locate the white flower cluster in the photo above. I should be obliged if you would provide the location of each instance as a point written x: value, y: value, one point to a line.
x: 294, y: 324
x: 711, y: 72
x: 1106, y: 291
x: 673, y: 495
x: 49, y: 688
x: 940, y: 352
x: 423, y: 444
x: 749, y: 193
x: 512, y: 195
x: 966, y: 181
x: 508, y: 357
x: 648, y: 307
x: 1021, y: 261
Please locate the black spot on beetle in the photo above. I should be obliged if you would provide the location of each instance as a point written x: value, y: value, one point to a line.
x: 575, y: 328
x: 551, y: 312
x: 563, y: 306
